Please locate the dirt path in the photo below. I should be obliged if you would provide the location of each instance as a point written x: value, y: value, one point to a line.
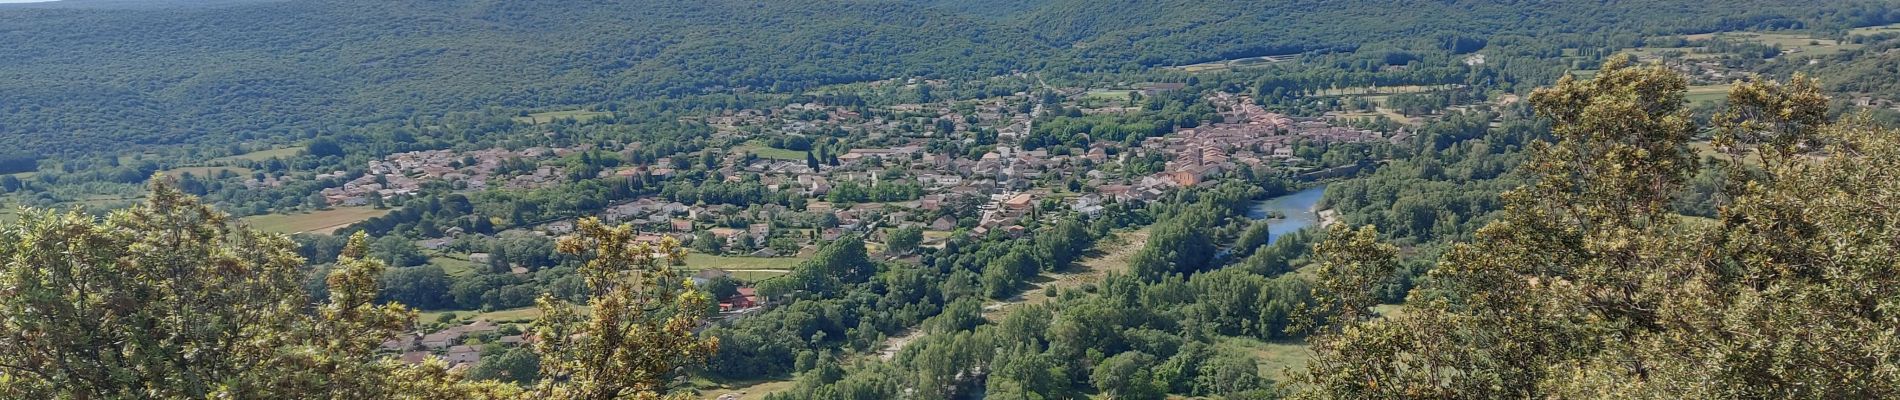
x: 1111, y: 254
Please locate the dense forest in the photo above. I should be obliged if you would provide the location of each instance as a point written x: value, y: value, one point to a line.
x: 78, y: 75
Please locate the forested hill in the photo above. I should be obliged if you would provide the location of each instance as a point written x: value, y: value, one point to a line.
x: 1172, y: 32
x: 97, y: 74
x: 87, y: 78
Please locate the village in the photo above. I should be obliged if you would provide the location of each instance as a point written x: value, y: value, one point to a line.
x: 992, y: 193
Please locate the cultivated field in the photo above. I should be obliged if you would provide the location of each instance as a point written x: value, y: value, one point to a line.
x: 325, y: 221
x: 1790, y: 43
x: 1108, y: 94
x: 285, y: 152
x: 744, y: 268
x: 770, y: 152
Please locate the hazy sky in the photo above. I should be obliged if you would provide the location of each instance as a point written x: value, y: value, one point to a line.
x: 23, y: 1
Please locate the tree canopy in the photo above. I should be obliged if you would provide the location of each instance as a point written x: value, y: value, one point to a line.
x: 1587, y: 286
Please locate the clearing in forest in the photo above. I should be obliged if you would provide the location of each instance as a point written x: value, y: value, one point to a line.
x: 262, y: 155
x: 773, y: 153
x: 324, y: 221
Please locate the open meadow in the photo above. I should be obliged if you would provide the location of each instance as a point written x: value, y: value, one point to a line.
x: 324, y: 221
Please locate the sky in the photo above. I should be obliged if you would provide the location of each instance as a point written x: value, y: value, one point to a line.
x: 24, y: 1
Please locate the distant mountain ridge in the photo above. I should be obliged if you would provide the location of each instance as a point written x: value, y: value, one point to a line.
x: 106, y: 75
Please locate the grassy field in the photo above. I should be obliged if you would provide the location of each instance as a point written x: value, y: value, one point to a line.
x: 698, y: 261
x: 751, y: 390
x: 1874, y: 30
x: 1790, y: 43
x: 1389, y: 310
x: 1108, y: 94
x: 772, y: 153
x: 1705, y: 149
x: 755, y: 276
x: 324, y: 221
x: 285, y: 152
x: 1654, y: 53
x: 551, y: 116
x: 1277, y: 359
x: 512, y: 314
x: 1394, y: 115
x: 456, y: 265
x: 1799, y: 44
x: 1707, y: 93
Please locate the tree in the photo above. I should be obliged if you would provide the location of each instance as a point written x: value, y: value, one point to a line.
x: 398, y: 251
x: 324, y: 147
x: 1352, y: 266
x: 637, y: 335
x: 517, y: 365
x: 1062, y: 244
x: 1127, y: 376
x: 169, y: 299
x: 1252, y: 239
x: 426, y: 286
x: 903, y: 240
x: 705, y: 242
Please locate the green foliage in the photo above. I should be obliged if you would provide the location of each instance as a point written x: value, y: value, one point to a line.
x: 359, y: 61
x: 518, y: 366
x: 1587, y: 286
x: 398, y: 251
x: 425, y: 287
x: 1352, y: 266
x: 904, y: 240
x: 169, y: 300
x: 637, y: 304
x: 1127, y: 376
x: 837, y: 264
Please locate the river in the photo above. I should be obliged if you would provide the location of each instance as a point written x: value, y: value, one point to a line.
x: 1297, y: 207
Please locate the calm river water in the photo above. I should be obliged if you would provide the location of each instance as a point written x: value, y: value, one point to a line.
x: 1297, y: 207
